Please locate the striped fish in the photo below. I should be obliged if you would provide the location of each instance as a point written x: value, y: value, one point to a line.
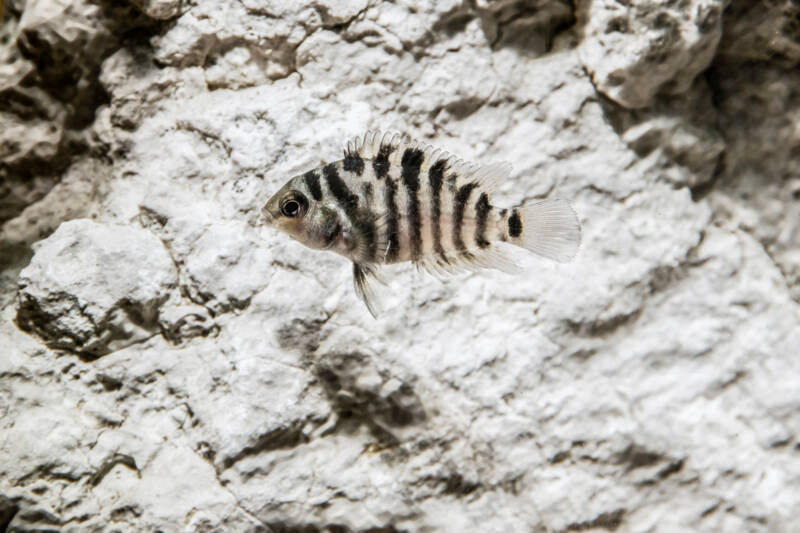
x: 392, y: 200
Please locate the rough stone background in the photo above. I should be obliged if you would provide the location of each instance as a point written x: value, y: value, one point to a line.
x: 183, y: 369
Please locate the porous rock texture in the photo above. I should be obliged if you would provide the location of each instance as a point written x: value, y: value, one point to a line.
x: 168, y: 364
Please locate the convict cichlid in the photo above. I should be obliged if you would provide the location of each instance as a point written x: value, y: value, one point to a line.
x: 391, y: 200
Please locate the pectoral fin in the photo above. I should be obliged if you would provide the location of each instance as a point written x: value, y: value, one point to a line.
x: 365, y: 279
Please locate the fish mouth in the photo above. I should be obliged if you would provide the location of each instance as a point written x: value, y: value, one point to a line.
x: 266, y: 217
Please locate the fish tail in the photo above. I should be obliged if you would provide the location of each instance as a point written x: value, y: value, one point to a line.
x: 549, y: 228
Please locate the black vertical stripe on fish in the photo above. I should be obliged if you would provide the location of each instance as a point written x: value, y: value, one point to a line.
x: 366, y: 230
x: 514, y: 224
x: 353, y: 163
x: 459, y: 204
x: 435, y: 178
x: 381, y: 162
x: 369, y: 224
x: 366, y: 189
x: 312, y: 182
x: 482, y: 209
x: 362, y: 221
x: 393, y: 244
x: 409, y: 164
x: 338, y: 188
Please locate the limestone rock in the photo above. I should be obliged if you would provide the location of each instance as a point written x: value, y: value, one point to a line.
x: 73, y: 197
x: 765, y: 30
x: 33, y: 130
x: 221, y: 264
x: 757, y: 187
x: 94, y: 289
x: 159, y: 9
x: 49, y: 90
x: 677, y: 137
x: 636, y: 50
x: 758, y: 190
x: 648, y: 385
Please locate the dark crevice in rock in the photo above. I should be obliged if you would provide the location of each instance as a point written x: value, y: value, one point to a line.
x: 38, y: 516
x: 635, y: 456
x: 462, y: 108
x: 454, y: 21
x: 610, y: 521
x: 127, y: 512
x: 453, y: 484
x: 288, y: 437
x: 672, y: 468
x: 527, y: 26
x: 207, y: 452
x: 8, y: 510
x: 109, y: 383
x: 110, y: 463
x: 712, y: 80
x: 560, y: 457
x: 47, y: 471
x: 603, y: 327
x: 32, y: 317
x: 456, y: 484
x: 188, y: 327
x: 710, y: 510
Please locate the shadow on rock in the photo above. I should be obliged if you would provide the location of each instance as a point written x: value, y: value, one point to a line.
x: 362, y: 394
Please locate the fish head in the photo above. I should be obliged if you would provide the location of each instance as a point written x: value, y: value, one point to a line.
x: 294, y: 211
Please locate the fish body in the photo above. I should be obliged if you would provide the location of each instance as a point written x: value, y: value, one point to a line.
x: 391, y: 200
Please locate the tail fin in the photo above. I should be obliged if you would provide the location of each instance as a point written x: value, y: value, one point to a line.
x: 549, y: 228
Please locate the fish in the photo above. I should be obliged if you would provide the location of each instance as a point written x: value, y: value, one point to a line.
x: 392, y: 199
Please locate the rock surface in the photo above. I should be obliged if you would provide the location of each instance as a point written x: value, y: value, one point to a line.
x: 637, y: 49
x: 95, y: 289
x: 183, y: 369
x: 50, y: 55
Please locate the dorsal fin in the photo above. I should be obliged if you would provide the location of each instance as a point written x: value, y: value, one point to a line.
x: 368, y: 146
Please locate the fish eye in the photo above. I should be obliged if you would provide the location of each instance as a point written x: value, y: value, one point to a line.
x: 293, y: 205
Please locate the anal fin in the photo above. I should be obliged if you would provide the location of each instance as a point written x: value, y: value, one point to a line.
x: 492, y: 257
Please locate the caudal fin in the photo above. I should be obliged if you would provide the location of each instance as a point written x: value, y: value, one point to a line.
x: 549, y: 228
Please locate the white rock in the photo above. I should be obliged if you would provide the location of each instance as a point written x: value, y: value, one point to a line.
x: 94, y: 289
x: 649, y: 385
